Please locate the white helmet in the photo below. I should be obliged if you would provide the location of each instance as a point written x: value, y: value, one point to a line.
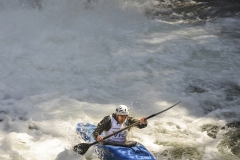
x: 122, y: 110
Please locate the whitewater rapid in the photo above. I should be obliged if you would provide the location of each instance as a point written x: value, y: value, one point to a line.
x: 75, y: 61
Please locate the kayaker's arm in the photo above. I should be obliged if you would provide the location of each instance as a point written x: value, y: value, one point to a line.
x: 132, y: 120
x: 103, y: 125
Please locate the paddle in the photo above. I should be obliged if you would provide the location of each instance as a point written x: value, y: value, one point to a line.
x: 82, y: 148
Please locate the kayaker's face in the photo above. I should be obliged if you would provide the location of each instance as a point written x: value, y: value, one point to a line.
x: 121, y: 118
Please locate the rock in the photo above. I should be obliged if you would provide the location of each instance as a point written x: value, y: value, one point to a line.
x: 212, y: 130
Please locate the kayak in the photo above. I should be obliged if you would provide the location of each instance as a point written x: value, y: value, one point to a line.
x: 130, y: 150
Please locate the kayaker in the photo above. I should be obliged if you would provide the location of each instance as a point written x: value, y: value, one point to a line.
x: 115, y: 122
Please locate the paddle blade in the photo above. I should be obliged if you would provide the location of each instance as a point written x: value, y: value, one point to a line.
x: 81, y: 148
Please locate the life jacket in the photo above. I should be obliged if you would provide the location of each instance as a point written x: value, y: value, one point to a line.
x: 115, y: 126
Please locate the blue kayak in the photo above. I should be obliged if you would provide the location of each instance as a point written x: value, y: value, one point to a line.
x: 111, y: 151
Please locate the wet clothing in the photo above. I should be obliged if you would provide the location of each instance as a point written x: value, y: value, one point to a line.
x: 105, y: 125
x: 115, y: 126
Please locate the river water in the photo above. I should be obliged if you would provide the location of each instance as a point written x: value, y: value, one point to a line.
x: 64, y: 62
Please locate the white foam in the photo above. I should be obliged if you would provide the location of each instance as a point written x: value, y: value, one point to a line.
x: 73, y: 63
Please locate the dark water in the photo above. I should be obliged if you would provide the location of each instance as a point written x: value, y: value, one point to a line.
x: 193, y: 11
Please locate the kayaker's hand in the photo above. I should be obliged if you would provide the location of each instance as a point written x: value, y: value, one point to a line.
x: 143, y: 121
x: 99, y: 138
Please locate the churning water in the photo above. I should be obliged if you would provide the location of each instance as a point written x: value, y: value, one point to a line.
x: 64, y: 62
